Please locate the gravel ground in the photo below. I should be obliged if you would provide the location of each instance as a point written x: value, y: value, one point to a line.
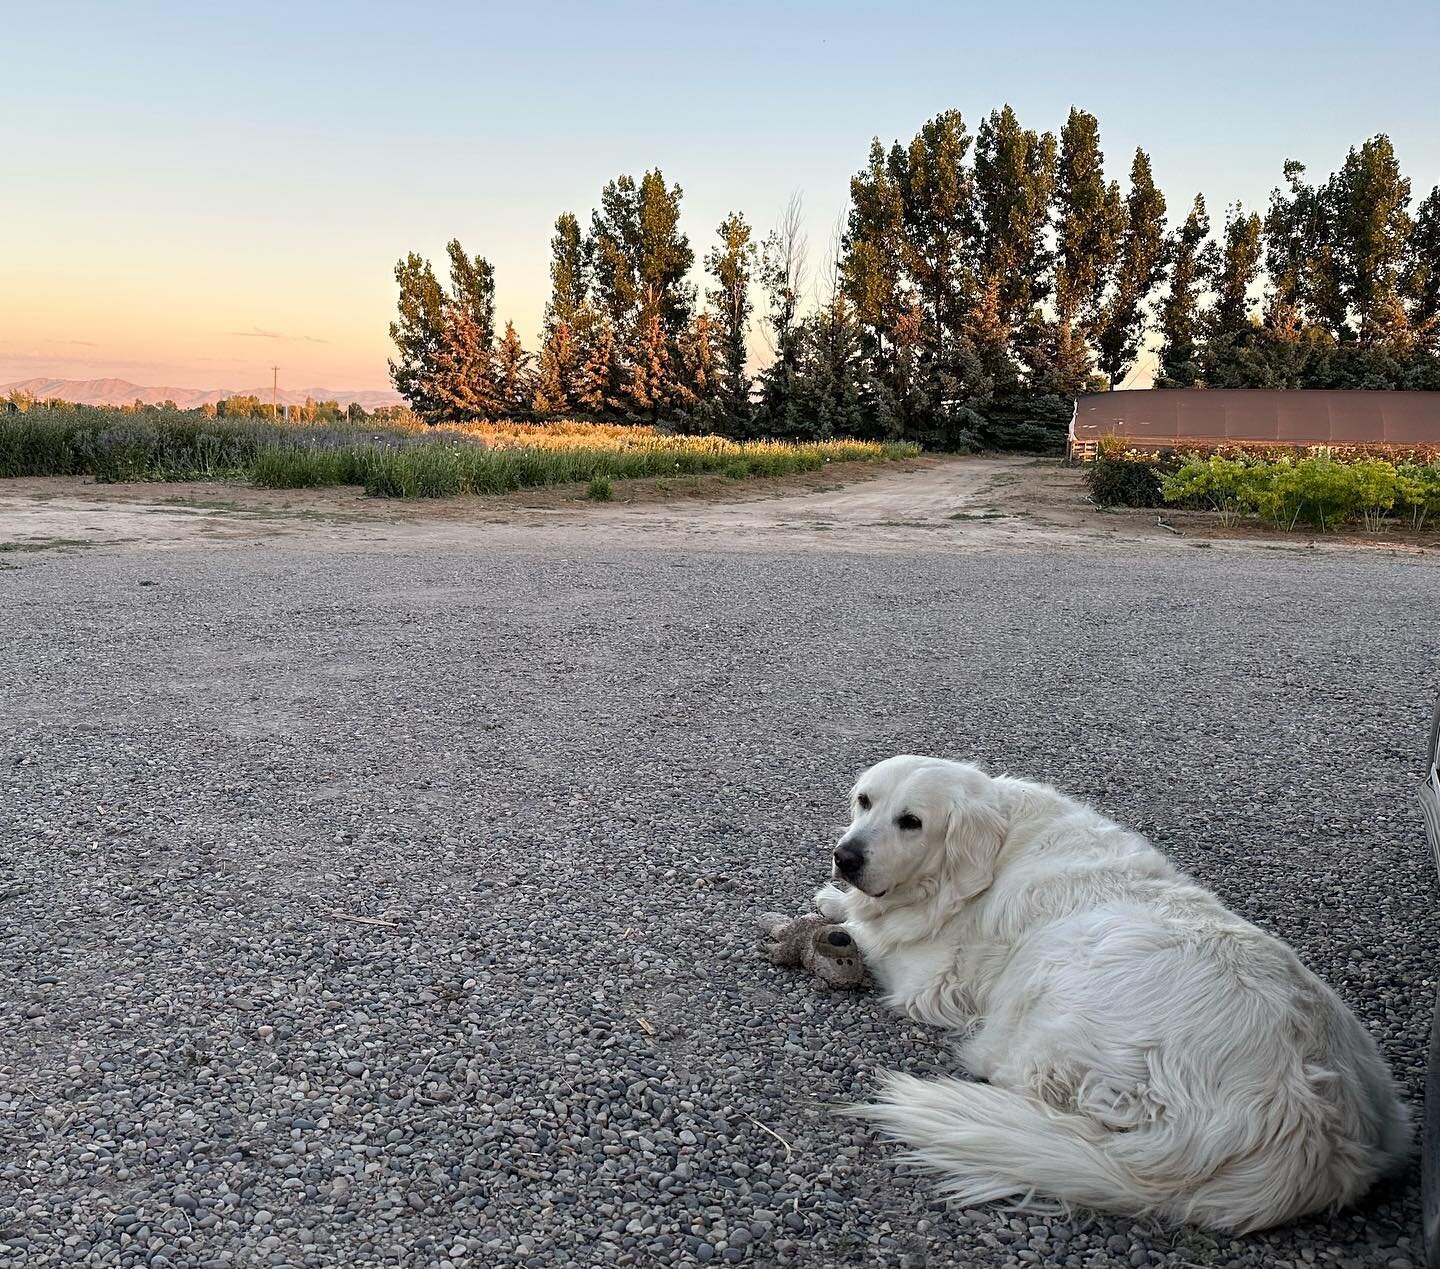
x: 393, y: 906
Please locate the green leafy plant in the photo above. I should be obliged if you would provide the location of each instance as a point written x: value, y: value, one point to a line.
x: 1315, y: 489
x: 1417, y: 491
x: 1216, y: 483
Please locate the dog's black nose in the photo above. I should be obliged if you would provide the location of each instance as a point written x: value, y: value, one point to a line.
x: 850, y: 859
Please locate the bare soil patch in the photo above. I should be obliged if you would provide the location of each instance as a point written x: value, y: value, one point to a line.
x: 935, y: 502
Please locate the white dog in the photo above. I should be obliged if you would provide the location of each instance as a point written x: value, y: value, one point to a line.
x: 1145, y: 1050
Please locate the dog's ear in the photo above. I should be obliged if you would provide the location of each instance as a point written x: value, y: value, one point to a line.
x: 974, y: 834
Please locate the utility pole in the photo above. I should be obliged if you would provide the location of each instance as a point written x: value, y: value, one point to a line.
x: 274, y: 392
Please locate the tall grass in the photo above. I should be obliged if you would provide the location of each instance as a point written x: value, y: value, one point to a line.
x: 391, y: 461
x: 442, y: 469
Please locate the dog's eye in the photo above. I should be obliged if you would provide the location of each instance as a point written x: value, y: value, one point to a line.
x: 908, y: 822
x: 864, y: 800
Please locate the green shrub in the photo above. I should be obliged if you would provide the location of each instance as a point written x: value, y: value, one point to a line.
x: 1125, y: 482
x: 1314, y: 489
x: 1373, y: 485
x: 1214, y: 483
x: 600, y: 489
x: 1417, y: 491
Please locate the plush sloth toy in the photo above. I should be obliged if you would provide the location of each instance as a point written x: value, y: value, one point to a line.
x: 823, y: 947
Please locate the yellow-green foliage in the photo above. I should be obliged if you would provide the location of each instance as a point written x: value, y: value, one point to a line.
x: 1314, y: 489
x: 396, y: 459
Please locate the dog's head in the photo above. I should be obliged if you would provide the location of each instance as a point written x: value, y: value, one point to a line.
x: 921, y: 825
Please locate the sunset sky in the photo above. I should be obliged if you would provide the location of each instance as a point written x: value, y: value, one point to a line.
x: 196, y: 192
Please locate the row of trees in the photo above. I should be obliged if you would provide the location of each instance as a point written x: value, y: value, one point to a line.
x: 978, y: 283
x: 239, y: 406
x: 1348, y: 279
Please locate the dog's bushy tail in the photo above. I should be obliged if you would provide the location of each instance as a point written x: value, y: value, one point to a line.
x: 988, y: 1144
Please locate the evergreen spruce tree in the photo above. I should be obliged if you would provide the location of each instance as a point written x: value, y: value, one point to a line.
x: 830, y: 389
x: 569, y: 323
x: 653, y: 389
x: 465, y: 381
x: 705, y: 375
x: 558, y: 379
x: 513, y: 376
x: 465, y: 386
x: 598, y: 385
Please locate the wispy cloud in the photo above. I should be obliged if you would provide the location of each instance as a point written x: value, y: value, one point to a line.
x: 257, y: 332
x: 48, y: 343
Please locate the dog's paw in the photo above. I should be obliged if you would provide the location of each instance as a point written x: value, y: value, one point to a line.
x: 831, y: 903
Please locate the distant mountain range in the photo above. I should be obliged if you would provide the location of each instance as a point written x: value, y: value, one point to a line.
x: 123, y: 392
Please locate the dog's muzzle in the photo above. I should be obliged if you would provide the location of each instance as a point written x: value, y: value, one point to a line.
x: 850, y: 860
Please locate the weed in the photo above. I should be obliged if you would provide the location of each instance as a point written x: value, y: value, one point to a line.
x: 44, y: 544
x: 600, y: 489
x: 392, y: 461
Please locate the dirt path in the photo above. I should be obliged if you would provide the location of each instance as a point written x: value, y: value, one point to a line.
x: 957, y: 503
x: 933, y: 503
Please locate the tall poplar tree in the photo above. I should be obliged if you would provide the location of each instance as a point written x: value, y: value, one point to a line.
x: 1422, y: 270
x: 732, y: 263
x: 639, y: 256
x: 1192, y: 264
x: 418, y: 335
x: 1140, y: 267
x: 1368, y: 202
x: 1090, y: 221
x: 569, y: 276
x: 1239, y: 267
x: 1014, y: 184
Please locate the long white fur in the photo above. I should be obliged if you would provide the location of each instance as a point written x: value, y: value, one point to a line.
x: 1146, y: 1051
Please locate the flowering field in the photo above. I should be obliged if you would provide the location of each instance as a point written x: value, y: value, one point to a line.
x: 398, y: 459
